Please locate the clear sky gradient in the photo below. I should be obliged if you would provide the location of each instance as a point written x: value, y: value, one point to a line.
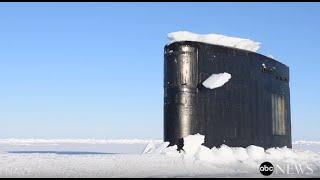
x: 95, y: 70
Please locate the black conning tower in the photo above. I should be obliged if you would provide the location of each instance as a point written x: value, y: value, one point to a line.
x: 252, y: 108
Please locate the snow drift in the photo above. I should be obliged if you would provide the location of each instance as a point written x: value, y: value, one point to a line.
x: 216, y: 39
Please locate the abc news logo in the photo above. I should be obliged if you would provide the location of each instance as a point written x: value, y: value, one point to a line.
x: 267, y: 169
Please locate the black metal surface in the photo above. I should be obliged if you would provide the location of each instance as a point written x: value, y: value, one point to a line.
x: 240, y: 113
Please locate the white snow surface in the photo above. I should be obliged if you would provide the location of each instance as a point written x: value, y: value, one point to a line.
x: 76, y: 145
x: 216, y: 39
x: 216, y: 80
x: 149, y: 158
x: 76, y: 141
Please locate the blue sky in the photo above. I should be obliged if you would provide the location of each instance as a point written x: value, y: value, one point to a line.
x: 95, y: 70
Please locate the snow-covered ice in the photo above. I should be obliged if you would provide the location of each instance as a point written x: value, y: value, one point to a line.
x: 151, y: 158
x: 216, y: 80
x: 307, y: 145
x: 76, y: 145
x: 216, y: 39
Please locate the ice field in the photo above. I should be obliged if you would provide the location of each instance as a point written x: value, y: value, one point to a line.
x: 150, y: 158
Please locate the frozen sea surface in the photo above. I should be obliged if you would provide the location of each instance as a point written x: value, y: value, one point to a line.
x: 125, y: 158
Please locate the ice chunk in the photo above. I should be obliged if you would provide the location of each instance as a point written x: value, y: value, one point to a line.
x: 149, y: 148
x: 171, y: 151
x: 216, y: 39
x: 192, y: 143
x: 224, y: 154
x: 216, y: 80
x: 205, y: 154
x: 162, y: 147
x: 255, y: 152
x: 281, y: 153
x: 240, y: 153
